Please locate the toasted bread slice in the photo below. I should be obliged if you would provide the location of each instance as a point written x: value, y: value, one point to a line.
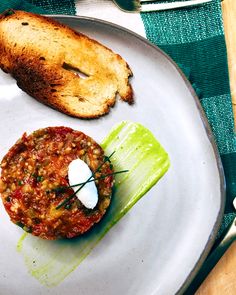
x: 45, y: 57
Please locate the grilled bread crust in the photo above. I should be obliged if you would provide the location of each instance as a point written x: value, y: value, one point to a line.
x: 45, y: 58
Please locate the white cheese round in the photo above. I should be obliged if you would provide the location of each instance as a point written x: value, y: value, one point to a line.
x: 79, y: 172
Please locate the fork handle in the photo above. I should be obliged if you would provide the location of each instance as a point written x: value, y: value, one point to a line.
x: 170, y: 5
x: 212, y: 259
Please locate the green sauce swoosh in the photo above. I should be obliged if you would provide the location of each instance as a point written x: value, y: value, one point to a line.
x: 137, y: 150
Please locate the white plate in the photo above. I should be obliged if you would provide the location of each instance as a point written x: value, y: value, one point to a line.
x: 159, y: 245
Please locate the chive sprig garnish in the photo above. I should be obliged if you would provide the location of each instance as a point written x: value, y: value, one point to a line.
x: 63, y: 188
x: 90, y: 179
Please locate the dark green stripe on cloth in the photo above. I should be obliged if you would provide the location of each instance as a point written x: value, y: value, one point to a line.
x: 20, y: 5
x: 55, y: 6
x: 194, y: 38
x: 40, y: 6
x: 206, y: 70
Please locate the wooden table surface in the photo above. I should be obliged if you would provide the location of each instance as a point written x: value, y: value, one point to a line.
x: 222, y: 279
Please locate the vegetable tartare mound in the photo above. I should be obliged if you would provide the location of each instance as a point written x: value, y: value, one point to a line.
x: 34, y: 182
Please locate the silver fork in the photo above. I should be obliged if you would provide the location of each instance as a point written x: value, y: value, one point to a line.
x: 143, y: 6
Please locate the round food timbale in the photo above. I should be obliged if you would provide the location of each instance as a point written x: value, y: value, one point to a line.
x: 35, y: 170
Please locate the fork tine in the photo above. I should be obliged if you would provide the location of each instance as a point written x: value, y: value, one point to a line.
x: 170, y: 5
x: 184, y: 1
x: 234, y: 203
x: 147, y: 1
x: 165, y: 0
